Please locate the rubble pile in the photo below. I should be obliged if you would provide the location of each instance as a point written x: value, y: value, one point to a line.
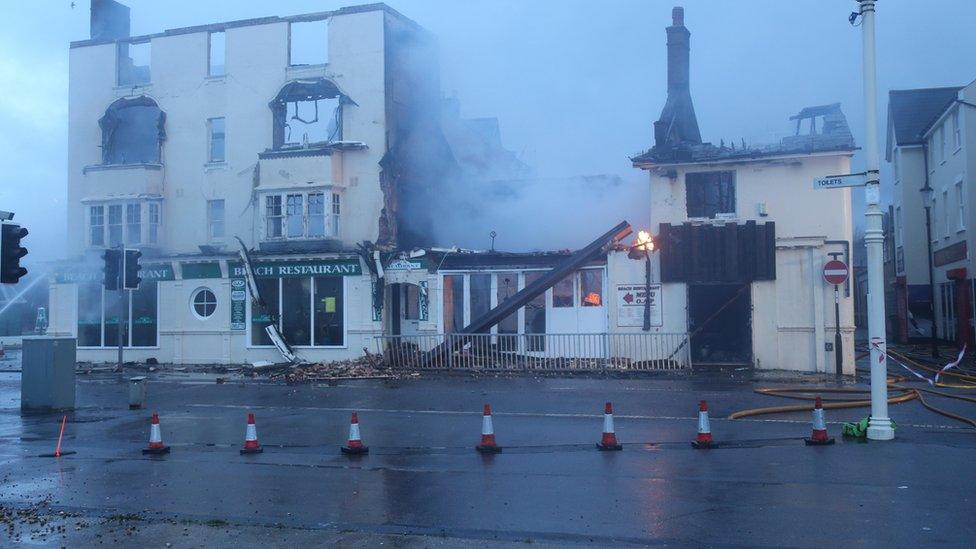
x: 369, y: 366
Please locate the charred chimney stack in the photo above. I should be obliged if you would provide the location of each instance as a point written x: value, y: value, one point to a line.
x: 109, y: 20
x: 677, y: 123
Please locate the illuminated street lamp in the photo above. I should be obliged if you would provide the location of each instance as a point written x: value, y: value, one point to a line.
x: 644, y: 245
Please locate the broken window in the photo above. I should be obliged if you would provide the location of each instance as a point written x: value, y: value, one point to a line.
x: 507, y: 286
x: 316, y: 214
x: 132, y: 132
x: 710, y: 193
x: 133, y: 63
x: 273, y: 217
x: 308, y: 42
x: 535, y: 316
x: 453, y: 303
x: 591, y: 287
x: 562, y: 292
x: 217, y: 139
x: 301, y: 215
x: 296, y: 219
x: 217, y: 54
x: 307, y: 112
x: 480, y: 295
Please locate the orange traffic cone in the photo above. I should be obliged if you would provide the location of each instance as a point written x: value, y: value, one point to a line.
x: 819, y: 436
x: 609, y: 440
x: 251, y: 444
x: 488, y: 445
x: 355, y: 444
x: 704, y: 439
x: 156, y: 445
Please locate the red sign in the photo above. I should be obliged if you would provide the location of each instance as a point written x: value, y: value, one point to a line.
x: 835, y: 272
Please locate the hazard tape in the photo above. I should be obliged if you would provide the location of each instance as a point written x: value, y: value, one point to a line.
x: 951, y: 364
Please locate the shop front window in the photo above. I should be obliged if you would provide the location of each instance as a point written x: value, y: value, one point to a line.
x: 296, y: 314
x: 453, y: 303
x: 480, y: 295
x: 264, y: 316
x: 329, y: 323
x: 535, y: 315
x: 591, y: 287
x: 309, y: 311
x: 98, y: 316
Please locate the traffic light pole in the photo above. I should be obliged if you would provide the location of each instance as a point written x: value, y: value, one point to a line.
x: 121, y: 301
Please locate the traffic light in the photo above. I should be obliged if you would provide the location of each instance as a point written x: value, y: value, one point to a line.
x: 132, y: 268
x: 10, y: 253
x: 112, y: 268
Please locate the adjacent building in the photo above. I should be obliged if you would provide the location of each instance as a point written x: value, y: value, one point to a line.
x: 743, y: 234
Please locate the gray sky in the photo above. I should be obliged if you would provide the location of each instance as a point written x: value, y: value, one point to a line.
x: 576, y: 84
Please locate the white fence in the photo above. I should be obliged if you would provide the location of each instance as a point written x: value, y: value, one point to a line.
x: 557, y: 352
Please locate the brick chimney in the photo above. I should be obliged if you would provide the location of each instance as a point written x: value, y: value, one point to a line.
x: 677, y: 123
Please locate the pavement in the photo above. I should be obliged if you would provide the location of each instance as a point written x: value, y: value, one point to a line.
x: 423, y: 485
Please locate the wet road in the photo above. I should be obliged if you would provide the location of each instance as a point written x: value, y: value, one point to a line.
x: 422, y: 476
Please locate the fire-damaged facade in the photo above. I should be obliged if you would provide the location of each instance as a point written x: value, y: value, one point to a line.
x: 293, y: 139
x: 742, y: 234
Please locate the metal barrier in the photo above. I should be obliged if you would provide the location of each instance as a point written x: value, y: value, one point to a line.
x: 556, y: 352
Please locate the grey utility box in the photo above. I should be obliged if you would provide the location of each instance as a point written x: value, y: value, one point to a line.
x: 47, y: 379
x: 137, y: 392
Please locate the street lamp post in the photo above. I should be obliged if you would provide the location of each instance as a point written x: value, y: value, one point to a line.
x: 879, y: 427
x: 644, y: 245
x: 927, y: 193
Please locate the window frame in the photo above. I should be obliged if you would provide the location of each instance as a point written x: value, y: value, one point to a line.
x: 329, y: 205
x: 956, y: 130
x: 130, y: 331
x: 960, y: 193
x: 345, y: 316
x: 211, y: 140
x: 149, y: 222
x: 127, y: 45
x: 212, y: 221
x: 210, y: 55
x: 730, y: 189
x: 945, y: 213
x: 291, y: 53
x: 201, y: 291
x: 92, y: 225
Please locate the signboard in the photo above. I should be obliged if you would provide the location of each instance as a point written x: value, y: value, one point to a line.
x: 835, y: 272
x: 290, y: 269
x: 210, y: 269
x: 839, y: 181
x: 238, y: 304
x: 151, y: 272
x: 950, y: 254
x: 630, y: 305
x: 404, y: 265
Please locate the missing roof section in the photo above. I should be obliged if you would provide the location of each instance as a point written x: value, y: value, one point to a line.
x: 308, y: 42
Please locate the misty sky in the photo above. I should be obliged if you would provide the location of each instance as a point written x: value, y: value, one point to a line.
x: 576, y: 84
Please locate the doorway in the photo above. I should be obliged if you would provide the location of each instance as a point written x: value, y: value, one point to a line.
x: 720, y: 324
x: 404, y: 301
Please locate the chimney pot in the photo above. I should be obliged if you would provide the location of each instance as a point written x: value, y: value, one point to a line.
x: 678, y: 16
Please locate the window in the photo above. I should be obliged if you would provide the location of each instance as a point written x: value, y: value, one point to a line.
x: 132, y: 131
x: 480, y: 295
x: 956, y: 130
x: 98, y: 316
x: 133, y: 63
x: 96, y: 225
x: 410, y: 301
x: 307, y: 310
x: 316, y: 214
x: 945, y: 213
x: 215, y: 219
x: 591, y: 287
x: 295, y: 215
x: 453, y: 303
x: 507, y: 285
x: 217, y: 54
x: 307, y: 113
x: 302, y: 215
x: 153, y: 222
x: 899, y: 233
x: 114, y: 225
x: 308, y: 42
x: 204, y: 303
x: 335, y: 214
x: 710, y: 193
x: 217, y: 139
x: 133, y: 223
x: 896, y: 168
x: 535, y: 316
x: 273, y: 217
x: 562, y: 292
x: 961, y: 207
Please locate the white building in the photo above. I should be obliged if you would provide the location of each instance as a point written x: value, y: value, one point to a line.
x: 910, y: 114
x: 743, y: 235
x: 950, y: 145
x: 292, y: 134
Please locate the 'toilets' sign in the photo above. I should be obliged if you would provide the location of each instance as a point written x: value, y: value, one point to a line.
x: 839, y: 181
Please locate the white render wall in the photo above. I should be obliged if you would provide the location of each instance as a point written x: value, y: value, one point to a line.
x: 907, y: 181
x: 793, y: 316
x: 256, y: 69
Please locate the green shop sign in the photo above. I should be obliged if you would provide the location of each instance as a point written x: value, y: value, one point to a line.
x: 200, y: 270
x: 151, y: 272
x: 293, y: 269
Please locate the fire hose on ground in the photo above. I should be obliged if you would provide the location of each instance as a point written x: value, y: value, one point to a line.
x: 903, y: 393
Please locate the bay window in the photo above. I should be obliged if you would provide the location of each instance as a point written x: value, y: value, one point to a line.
x: 131, y: 223
x: 301, y: 215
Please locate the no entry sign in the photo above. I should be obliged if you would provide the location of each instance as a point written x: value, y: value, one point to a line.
x: 835, y: 272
